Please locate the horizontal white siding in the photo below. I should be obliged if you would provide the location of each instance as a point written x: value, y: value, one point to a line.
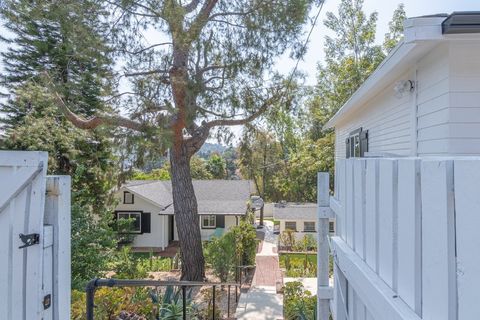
x: 464, y: 121
x: 387, y: 119
x: 449, y: 100
x: 433, y: 102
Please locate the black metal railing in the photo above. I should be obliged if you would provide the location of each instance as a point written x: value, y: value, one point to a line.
x: 96, y: 283
x: 242, y: 271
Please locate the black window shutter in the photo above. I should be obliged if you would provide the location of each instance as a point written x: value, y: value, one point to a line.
x: 220, y: 221
x: 363, y: 143
x: 146, y: 222
x: 347, y: 145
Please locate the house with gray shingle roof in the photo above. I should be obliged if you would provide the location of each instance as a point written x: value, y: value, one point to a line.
x: 149, y: 204
x: 301, y: 218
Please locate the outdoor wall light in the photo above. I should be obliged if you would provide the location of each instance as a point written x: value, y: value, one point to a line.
x: 402, y: 87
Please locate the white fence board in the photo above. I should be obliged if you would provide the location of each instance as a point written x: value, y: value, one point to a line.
x: 438, y: 242
x: 371, y: 214
x: 387, y: 216
x: 467, y: 214
x: 349, y: 204
x: 359, y: 207
x: 58, y: 215
x: 410, y: 242
x: 340, y: 218
x: 409, y: 233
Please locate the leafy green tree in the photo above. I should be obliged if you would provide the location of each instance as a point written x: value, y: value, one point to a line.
x: 351, y: 56
x: 198, y: 169
x: 312, y: 156
x: 207, y: 69
x: 63, y: 38
x: 395, y: 26
x: 217, y: 166
x: 260, y: 159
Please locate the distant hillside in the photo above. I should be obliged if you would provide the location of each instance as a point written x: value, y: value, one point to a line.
x: 209, y: 148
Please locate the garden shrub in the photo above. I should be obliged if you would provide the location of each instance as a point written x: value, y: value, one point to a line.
x: 298, y: 303
x: 220, y: 255
x: 246, y: 242
x: 110, y: 302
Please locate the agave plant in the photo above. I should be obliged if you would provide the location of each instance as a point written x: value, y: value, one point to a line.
x: 171, y: 304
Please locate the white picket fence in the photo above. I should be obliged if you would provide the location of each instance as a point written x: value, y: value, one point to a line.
x: 35, y: 275
x: 408, y: 239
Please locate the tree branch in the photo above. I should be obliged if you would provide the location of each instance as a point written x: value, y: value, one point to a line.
x: 145, y: 73
x: 145, y: 49
x: 238, y: 122
x: 191, y: 6
x: 201, y: 19
x: 96, y: 121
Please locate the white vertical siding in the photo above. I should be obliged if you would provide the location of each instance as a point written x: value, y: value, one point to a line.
x: 387, y: 119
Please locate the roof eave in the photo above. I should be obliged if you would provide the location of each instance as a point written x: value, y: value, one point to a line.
x: 420, y: 35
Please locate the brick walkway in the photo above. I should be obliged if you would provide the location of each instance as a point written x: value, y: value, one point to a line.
x: 262, y: 302
x: 266, y: 271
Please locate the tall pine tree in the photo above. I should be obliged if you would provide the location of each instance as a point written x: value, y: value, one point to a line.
x: 65, y: 39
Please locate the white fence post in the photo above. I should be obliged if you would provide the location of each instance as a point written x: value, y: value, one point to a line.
x: 324, y: 292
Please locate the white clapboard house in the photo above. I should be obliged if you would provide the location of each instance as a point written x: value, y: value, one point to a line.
x: 149, y: 205
x: 301, y: 218
x: 407, y: 196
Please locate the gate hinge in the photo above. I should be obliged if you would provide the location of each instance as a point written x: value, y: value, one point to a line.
x: 29, y: 239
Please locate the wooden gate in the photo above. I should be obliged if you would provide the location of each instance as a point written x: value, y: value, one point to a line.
x: 29, y: 266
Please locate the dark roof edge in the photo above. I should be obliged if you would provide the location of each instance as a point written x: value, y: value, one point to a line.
x: 462, y: 22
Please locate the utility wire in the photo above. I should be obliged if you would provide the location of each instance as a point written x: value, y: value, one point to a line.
x: 305, y: 44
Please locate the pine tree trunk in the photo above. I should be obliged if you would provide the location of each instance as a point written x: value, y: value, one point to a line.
x: 186, y: 214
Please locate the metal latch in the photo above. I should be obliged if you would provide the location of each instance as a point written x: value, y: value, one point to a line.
x: 29, y: 239
x: 47, y: 301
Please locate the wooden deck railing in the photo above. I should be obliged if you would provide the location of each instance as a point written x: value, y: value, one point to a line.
x: 407, y: 238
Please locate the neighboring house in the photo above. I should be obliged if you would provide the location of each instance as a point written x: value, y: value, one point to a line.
x: 300, y: 218
x: 423, y: 99
x: 149, y: 203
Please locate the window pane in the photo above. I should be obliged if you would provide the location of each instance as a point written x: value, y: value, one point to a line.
x: 123, y: 216
x: 331, y: 227
x: 357, y: 146
x: 291, y: 225
x: 136, y: 225
x: 209, y: 221
x: 309, y: 226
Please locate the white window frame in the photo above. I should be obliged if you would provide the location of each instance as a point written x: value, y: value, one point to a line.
x: 127, y: 193
x: 305, y: 229
x: 209, y: 219
x: 130, y: 215
x: 287, y: 222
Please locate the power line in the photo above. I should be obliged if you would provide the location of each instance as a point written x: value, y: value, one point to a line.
x: 305, y: 44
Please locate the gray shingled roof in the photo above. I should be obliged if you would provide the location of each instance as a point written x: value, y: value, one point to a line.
x: 293, y: 211
x: 228, y: 197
